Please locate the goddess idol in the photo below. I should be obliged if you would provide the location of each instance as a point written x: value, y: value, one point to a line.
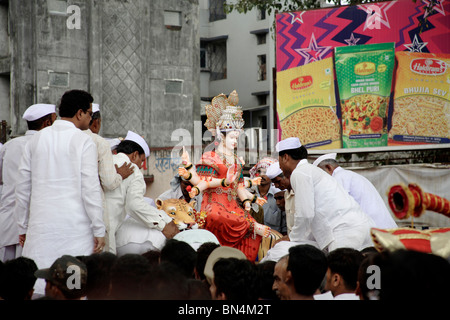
x: 219, y: 176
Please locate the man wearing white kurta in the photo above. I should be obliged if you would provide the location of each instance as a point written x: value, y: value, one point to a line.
x: 360, y: 188
x: 110, y: 175
x: 58, y: 181
x: 38, y: 116
x: 323, y: 209
x: 281, y: 248
x: 128, y: 199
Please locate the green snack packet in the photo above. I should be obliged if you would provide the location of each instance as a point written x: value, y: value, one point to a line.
x: 364, y: 76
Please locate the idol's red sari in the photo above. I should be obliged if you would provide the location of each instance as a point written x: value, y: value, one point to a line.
x: 220, y: 211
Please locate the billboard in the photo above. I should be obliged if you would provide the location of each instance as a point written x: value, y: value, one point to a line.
x: 306, y: 37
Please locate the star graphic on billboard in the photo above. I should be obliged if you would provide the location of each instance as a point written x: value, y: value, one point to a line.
x: 352, y: 41
x: 376, y: 15
x: 314, y: 52
x: 297, y: 16
x: 416, y: 45
x: 438, y: 7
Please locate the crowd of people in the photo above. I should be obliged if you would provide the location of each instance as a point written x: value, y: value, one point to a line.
x: 215, y: 272
x: 72, y: 201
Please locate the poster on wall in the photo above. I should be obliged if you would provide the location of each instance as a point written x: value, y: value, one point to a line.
x: 421, y: 111
x: 306, y: 37
x: 364, y: 77
x: 307, y: 105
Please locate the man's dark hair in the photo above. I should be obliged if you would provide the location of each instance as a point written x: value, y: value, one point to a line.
x: 152, y: 256
x: 181, y: 254
x: 412, y: 276
x: 363, y: 275
x: 203, y: 253
x: 346, y: 262
x: 264, y: 272
x: 38, y: 123
x: 296, y: 154
x: 96, y: 115
x: 74, y: 100
x: 308, y: 266
x: 128, y: 147
x: 17, y: 278
x: 165, y: 282
x: 127, y: 276
x: 236, y: 278
x: 98, y: 274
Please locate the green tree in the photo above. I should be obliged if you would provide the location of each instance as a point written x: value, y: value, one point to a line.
x: 242, y: 6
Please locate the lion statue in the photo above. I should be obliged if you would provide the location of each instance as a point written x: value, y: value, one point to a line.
x: 180, y: 211
x: 133, y: 237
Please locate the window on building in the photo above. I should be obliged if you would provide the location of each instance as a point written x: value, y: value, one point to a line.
x: 172, y: 20
x: 261, y: 14
x: 57, y: 7
x: 262, y: 100
x: 262, y: 74
x: 173, y: 87
x: 217, y: 55
x: 261, y: 38
x: 204, y: 56
x: 216, y: 10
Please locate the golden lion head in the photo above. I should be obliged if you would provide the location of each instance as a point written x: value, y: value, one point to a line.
x: 180, y: 211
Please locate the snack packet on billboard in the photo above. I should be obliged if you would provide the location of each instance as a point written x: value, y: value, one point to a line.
x: 421, y: 100
x: 306, y: 105
x: 364, y: 77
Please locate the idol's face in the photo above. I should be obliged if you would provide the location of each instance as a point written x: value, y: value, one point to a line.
x: 231, y: 140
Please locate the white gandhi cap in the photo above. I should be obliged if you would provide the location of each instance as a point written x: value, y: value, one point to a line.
x: 216, y: 254
x: 37, y: 111
x: 274, y: 170
x: 95, y: 107
x: 288, y: 144
x: 131, y: 136
x: 324, y: 157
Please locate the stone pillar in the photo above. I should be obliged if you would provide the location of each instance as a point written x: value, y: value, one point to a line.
x: 23, y: 72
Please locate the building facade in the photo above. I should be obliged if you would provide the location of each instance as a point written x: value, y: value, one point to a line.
x: 139, y: 59
x: 237, y: 52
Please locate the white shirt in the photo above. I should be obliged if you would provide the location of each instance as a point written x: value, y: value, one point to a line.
x: 10, y: 156
x: 289, y: 206
x: 326, y: 212
x: 363, y: 191
x: 128, y: 199
x: 109, y: 178
x: 347, y: 296
x: 58, y: 181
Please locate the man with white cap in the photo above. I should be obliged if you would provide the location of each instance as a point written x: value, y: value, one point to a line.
x: 324, y: 211
x: 273, y: 216
x: 58, y: 182
x: 128, y: 198
x: 360, y: 188
x: 281, y: 182
x: 38, y: 116
x: 110, y: 175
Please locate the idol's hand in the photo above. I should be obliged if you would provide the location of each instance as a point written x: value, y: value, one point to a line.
x: 262, y: 230
x: 256, y: 181
x: 182, y: 172
x: 247, y: 206
x: 232, y: 174
x: 261, y: 201
x: 193, y: 192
